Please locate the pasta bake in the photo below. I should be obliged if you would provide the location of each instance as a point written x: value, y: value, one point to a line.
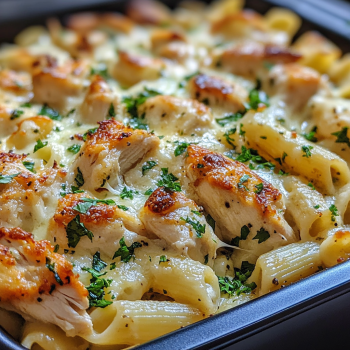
x: 160, y: 167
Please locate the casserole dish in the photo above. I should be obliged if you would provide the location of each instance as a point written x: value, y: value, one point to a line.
x: 262, y: 313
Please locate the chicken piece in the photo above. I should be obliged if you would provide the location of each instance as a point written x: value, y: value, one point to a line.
x: 235, y: 197
x: 248, y: 24
x: 330, y: 115
x: 28, y: 199
x: 16, y: 58
x: 97, y: 101
x: 176, y: 219
x: 111, y: 151
x: 8, y: 125
x: 78, y: 44
x: 40, y: 284
x: 84, y: 22
x: 294, y: 83
x: 30, y: 130
x: 53, y: 84
x: 131, y: 69
x: 175, y: 115
x: 161, y: 37
x: 214, y: 91
x: 18, y: 83
x: 107, y: 223
x: 148, y: 12
x: 248, y: 58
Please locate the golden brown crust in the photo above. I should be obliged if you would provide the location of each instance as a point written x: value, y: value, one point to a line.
x: 18, y: 83
x: 28, y: 276
x: 224, y: 173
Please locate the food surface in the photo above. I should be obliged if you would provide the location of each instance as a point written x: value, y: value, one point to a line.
x: 159, y: 167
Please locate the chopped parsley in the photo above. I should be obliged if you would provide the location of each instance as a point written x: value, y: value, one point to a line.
x: 84, y: 207
x: 259, y: 187
x: 74, y: 149
x: 79, y: 179
x: 284, y: 155
x: 196, y: 212
x: 39, y: 145
x: 334, y: 211
x: 262, y: 235
x: 57, y: 247
x: 100, y: 70
x: 16, y: 114
x: 228, y: 137
x: 26, y: 105
x: 125, y: 252
x: 163, y: 258
x: 250, y: 154
x: 127, y: 193
x: 5, y: 179
x: 241, y: 131
x: 180, y: 148
x: 257, y: 98
x: 198, y: 227
x: 169, y: 181
x: 89, y: 132
x: 317, y: 206
x: 51, y: 267
x: 307, y: 150
x: 75, y: 230
x: 206, y: 259
x: 210, y: 221
x: 29, y: 166
x: 200, y: 166
x: 244, y: 234
x: 97, y: 263
x: 148, y: 166
x: 122, y: 207
x: 242, y: 180
x: 149, y: 192
x: 111, y: 111
x: 50, y: 112
x: 342, y: 136
x: 311, y: 135
x: 311, y: 185
x: 229, y: 118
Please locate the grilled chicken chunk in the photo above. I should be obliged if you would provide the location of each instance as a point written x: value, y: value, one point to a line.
x: 248, y: 58
x: 107, y: 224
x: 40, y: 284
x: 53, y: 84
x: 29, y: 130
x: 235, y: 197
x: 111, y: 151
x: 174, y: 114
x: 148, y: 12
x: 176, y: 219
x: 18, y: 83
x: 131, y: 69
x: 217, y: 92
x: 97, y: 101
x: 27, y: 199
x: 294, y: 83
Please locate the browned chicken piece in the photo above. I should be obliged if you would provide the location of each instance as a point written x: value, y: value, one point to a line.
x: 53, y: 84
x: 97, y: 101
x: 29, y: 130
x: 15, y: 82
x: 8, y: 125
x: 235, y: 197
x: 295, y: 84
x: 247, y: 59
x: 78, y: 44
x: 107, y: 223
x: 175, y: 115
x: 40, y: 284
x: 87, y: 21
x: 161, y: 37
x: 216, y: 92
x: 26, y: 198
x: 148, y: 12
x: 131, y: 69
x: 176, y: 219
x: 248, y: 25
x: 111, y: 151
x: 17, y: 58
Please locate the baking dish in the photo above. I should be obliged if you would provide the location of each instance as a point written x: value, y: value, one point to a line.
x: 235, y: 325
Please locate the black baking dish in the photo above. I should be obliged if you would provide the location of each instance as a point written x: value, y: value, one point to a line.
x: 310, y: 314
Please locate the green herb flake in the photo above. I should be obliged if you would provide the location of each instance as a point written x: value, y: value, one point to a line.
x: 51, y: 267
x: 206, y: 259
x: 228, y: 137
x: 26, y: 105
x: 259, y: 187
x: 97, y: 263
x: 334, y: 211
x: 149, y: 192
x: 29, y: 166
x: 74, y: 149
x: 262, y: 235
x: 200, y: 166
x: 307, y: 150
x: 311, y: 185
x: 210, y: 221
x: 127, y: 193
x: 75, y: 230
x: 229, y: 118
x: 317, y: 206
x: 243, y: 180
x: 342, y: 136
x: 5, y: 179
x: 169, y: 181
x: 79, y: 179
x: 39, y: 145
x: 123, y: 207
x: 241, y: 131
x: 16, y: 114
x: 147, y: 166
x: 180, y: 148
x: 284, y: 156
x: 125, y: 252
x: 100, y: 70
x: 311, y: 135
x: 89, y: 132
x: 257, y: 98
x: 197, y: 226
x: 50, y: 112
x: 263, y: 137
x: 57, y: 247
x: 163, y: 258
x: 111, y: 111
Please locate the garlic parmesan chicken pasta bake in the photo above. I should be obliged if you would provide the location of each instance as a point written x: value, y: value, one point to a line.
x: 159, y: 167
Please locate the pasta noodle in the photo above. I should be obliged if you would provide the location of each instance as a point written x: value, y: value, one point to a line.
x: 160, y: 167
